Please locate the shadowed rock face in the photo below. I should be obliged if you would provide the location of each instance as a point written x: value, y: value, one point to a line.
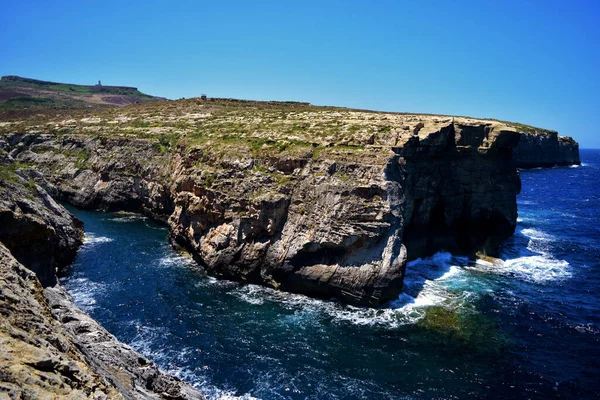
x: 41, y: 234
x: 546, y: 149
x: 327, y: 222
x: 461, y: 190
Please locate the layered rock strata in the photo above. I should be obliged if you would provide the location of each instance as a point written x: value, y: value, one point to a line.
x: 335, y: 221
x: 546, y: 149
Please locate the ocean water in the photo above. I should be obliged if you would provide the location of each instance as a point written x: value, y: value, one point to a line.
x: 525, y: 328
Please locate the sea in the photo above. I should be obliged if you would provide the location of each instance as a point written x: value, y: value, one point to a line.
x: 525, y: 328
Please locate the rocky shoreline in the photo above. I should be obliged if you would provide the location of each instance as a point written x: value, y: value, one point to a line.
x: 334, y: 222
x: 49, y: 348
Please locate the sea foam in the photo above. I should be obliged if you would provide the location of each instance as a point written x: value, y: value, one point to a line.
x: 534, y: 262
x: 90, y: 238
x: 428, y: 282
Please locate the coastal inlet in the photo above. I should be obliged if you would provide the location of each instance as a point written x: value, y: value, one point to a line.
x: 527, y: 328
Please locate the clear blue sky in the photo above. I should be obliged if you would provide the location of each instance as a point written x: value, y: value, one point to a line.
x: 535, y: 62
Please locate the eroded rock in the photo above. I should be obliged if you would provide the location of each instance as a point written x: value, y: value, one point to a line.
x: 334, y: 222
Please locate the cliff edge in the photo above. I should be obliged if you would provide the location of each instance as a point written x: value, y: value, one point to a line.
x: 546, y: 149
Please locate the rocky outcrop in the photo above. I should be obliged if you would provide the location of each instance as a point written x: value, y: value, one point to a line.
x: 37, y: 357
x: 49, y: 348
x: 546, y: 149
x: 335, y: 221
x: 41, y: 234
x: 460, y: 189
x: 132, y: 375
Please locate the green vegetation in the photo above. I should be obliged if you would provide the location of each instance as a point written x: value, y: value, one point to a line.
x: 165, y: 143
x: 8, y: 174
x: 39, y: 102
x: 529, y: 129
x: 227, y: 128
x: 278, y: 177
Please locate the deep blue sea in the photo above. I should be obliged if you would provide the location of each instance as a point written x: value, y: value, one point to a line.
x: 529, y: 328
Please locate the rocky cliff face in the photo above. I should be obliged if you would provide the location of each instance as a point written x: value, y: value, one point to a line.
x: 460, y: 189
x: 324, y: 220
x: 546, y: 149
x: 41, y: 234
x: 48, y: 347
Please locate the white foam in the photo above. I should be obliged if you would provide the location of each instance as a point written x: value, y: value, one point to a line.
x: 540, y: 268
x: 535, y: 263
x: 85, y: 292
x: 91, y: 238
x: 145, y: 336
x: 536, y: 234
x: 175, y: 260
x: 428, y: 283
x: 129, y: 218
x: 171, y: 361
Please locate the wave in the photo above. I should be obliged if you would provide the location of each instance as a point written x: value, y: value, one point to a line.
x: 84, y: 292
x: 176, y: 260
x: 172, y: 361
x: 530, y: 259
x: 91, y: 238
x: 535, y: 234
x: 428, y: 282
x: 128, y: 218
x: 537, y: 269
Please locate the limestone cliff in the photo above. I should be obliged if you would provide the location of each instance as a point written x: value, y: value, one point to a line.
x: 41, y: 234
x: 333, y: 214
x: 546, y: 149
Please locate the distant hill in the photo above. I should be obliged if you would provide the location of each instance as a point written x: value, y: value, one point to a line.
x: 25, y: 93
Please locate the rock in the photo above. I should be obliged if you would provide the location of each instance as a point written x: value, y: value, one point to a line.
x: 133, y: 375
x: 546, y: 149
x: 327, y: 226
x: 460, y: 189
x: 40, y: 233
x: 38, y: 359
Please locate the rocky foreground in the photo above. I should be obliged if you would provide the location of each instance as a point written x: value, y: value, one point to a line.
x: 322, y: 201
x: 49, y: 348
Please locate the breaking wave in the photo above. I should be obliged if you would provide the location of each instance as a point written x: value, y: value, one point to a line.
x: 90, y: 239
x: 126, y: 217
x: 428, y: 282
x: 84, y: 292
x: 530, y: 258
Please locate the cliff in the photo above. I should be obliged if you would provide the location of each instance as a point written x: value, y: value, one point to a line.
x: 322, y: 201
x: 48, y: 347
x: 546, y: 149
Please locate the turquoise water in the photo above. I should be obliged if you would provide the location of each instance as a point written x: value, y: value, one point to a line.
x: 528, y: 328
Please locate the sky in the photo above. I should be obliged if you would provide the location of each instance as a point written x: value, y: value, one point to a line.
x: 533, y: 62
